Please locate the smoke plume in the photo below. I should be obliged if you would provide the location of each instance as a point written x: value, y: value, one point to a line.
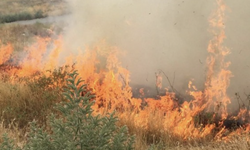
x: 170, y: 35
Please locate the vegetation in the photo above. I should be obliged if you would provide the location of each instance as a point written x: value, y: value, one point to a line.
x: 22, y: 102
x: 21, y: 16
x: 11, y: 10
x: 29, y: 120
x: 21, y: 36
x: 76, y: 127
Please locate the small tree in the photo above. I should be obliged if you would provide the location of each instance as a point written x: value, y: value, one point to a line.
x: 77, y: 127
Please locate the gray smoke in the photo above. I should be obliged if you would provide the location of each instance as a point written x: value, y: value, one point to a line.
x: 171, y: 35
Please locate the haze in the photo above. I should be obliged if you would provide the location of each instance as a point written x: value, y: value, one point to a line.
x: 171, y: 35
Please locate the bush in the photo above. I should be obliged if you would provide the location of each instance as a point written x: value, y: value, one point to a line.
x: 77, y: 127
x: 8, y: 144
x: 16, y: 17
x: 22, y: 16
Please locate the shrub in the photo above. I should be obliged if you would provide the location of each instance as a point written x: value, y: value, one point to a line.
x: 77, y: 127
x: 16, y: 17
x: 22, y: 16
x: 8, y: 144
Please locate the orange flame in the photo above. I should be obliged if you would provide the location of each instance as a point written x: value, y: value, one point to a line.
x: 218, y: 76
x: 109, y: 81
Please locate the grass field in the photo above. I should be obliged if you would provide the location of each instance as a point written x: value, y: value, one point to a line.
x: 24, y: 99
x: 27, y: 98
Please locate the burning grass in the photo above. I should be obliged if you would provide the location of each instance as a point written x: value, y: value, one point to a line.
x: 20, y: 36
x: 26, y: 100
x: 32, y: 85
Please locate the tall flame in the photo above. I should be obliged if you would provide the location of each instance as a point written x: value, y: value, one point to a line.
x: 109, y: 81
x: 218, y: 75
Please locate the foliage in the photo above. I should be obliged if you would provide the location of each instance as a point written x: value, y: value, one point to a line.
x: 77, y: 127
x: 15, y: 17
x: 21, y: 16
x: 8, y: 144
x: 54, y: 79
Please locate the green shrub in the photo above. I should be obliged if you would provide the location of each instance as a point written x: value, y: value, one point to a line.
x: 15, y: 17
x: 21, y: 16
x: 76, y: 127
x: 24, y: 16
x: 8, y: 144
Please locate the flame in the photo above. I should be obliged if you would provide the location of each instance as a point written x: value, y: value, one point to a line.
x: 109, y: 81
x: 32, y: 63
x: 218, y: 75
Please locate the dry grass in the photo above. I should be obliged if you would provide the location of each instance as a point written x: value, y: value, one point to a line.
x: 17, y: 99
x: 24, y: 102
x: 20, y: 36
x: 20, y: 103
x: 153, y: 134
x: 156, y: 138
x: 153, y: 137
x: 236, y: 143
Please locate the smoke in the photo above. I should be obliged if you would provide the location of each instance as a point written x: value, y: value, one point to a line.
x: 169, y: 35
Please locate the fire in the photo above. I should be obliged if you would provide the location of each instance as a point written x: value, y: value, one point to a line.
x: 109, y: 81
x: 218, y: 76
